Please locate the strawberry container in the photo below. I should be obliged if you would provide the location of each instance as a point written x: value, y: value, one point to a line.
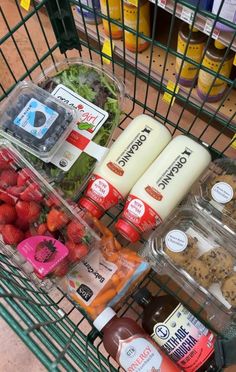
x: 36, y: 121
x: 215, y: 193
x: 39, y: 231
x: 199, y: 255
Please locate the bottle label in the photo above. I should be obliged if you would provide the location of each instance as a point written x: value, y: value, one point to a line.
x: 176, y: 240
x: 185, y: 339
x: 187, y: 70
x: 222, y: 192
x: 205, y: 79
x: 102, y: 192
x: 131, y: 20
x: 114, y: 7
x: 140, y: 214
x: 138, y: 354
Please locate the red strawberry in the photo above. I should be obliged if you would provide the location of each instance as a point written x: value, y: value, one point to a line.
x: 31, y: 193
x: 75, y: 231
x: 7, y: 213
x: 62, y: 268
x: 28, y: 234
x: 41, y: 229
x: 56, y: 219
x: 11, y: 234
x: 15, y: 190
x: 8, y: 178
x: 5, y: 197
x: 24, y: 175
x: 28, y: 211
x: 76, y: 251
x: 22, y: 224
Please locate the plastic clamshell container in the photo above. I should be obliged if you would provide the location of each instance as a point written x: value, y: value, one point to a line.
x: 215, y: 193
x: 77, y: 83
x: 39, y: 230
x: 176, y: 249
x: 36, y: 121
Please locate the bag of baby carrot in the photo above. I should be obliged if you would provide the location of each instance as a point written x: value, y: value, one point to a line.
x: 106, y: 276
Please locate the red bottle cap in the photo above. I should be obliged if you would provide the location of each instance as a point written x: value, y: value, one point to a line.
x: 127, y: 230
x: 90, y: 206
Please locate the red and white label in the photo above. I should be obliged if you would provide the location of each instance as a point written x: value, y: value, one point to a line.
x: 102, y: 192
x: 80, y: 138
x: 140, y: 214
x: 185, y: 339
x: 138, y: 354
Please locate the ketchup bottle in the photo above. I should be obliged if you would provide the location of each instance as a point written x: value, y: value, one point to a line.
x: 130, y: 346
x: 186, y: 340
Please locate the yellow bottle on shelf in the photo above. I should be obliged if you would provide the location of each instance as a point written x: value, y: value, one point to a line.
x: 187, y: 73
x: 112, y: 8
x: 212, y: 60
x: 131, y: 20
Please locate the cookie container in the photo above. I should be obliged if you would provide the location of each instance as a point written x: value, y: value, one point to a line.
x: 36, y: 121
x: 98, y: 96
x: 39, y: 231
x: 199, y: 255
x: 215, y: 194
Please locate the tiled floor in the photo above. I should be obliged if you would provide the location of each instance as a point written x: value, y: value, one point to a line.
x: 14, y: 355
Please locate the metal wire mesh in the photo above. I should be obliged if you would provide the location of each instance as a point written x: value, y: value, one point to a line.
x: 51, y: 325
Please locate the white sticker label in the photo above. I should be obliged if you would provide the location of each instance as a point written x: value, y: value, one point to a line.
x: 222, y: 192
x: 138, y: 354
x: 90, y: 276
x: 187, y: 15
x: 161, y: 3
x: 91, y: 120
x: 136, y: 207
x: 36, y: 118
x: 100, y: 187
x: 176, y: 240
x: 208, y: 27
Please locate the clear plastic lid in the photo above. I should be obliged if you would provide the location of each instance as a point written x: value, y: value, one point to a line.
x: 38, y: 230
x: 33, y: 119
x: 200, y: 256
x: 215, y: 193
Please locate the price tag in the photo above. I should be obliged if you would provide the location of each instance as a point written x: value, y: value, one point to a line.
x: 208, y: 27
x: 133, y: 2
x: 168, y: 96
x: 162, y: 3
x: 25, y: 4
x: 107, y: 48
x: 187, y: 15
x: 233, y: 144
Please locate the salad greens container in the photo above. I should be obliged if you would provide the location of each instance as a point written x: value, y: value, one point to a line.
x: 97, y: 95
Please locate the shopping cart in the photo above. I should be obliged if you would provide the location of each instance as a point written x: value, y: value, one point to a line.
x: 52, y: 326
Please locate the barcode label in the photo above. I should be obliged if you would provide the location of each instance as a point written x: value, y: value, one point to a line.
x: 192, y: 319
x: 162, y: 3
x: 187, y: 15
x: 208, y: 27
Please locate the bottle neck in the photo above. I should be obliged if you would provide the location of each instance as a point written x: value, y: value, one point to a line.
x: 109, y: 323
x: 145, y: 301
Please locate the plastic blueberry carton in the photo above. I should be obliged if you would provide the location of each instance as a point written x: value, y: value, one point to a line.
x: 215, y: 193
x: 38, y: 230
x: 97, y: 95
x: 200, y: 256
x: 36, y: 121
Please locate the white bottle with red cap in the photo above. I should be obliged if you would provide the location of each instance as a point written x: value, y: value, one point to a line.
x: 128, y: 158
x: 162, y: 187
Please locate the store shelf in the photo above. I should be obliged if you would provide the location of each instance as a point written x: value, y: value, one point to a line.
x: 201, y: 22
x: 226, y: 110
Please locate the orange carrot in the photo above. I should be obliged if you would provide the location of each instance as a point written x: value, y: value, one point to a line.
x: 104, y: 298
